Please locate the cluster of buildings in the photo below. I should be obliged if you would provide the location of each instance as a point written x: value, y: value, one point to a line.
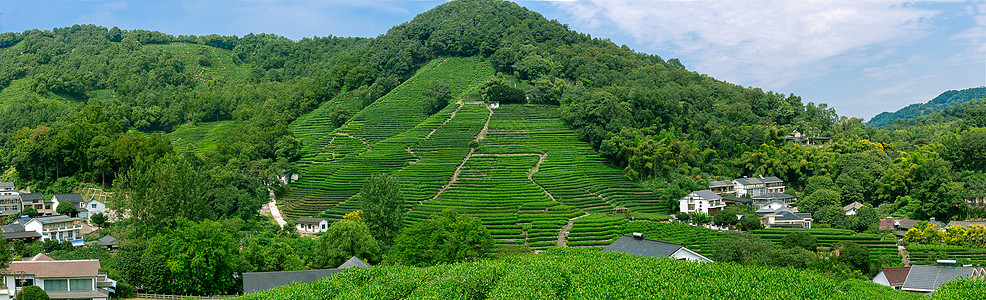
x: 926, y: 279
x: 765, y: 193
x: 13, y: 202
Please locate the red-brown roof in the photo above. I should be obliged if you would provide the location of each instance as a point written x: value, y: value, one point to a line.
x: 896, y: 276
x: 55, y: 269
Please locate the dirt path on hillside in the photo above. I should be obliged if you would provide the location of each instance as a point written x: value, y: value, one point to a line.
x: 904, y: 255
x: 563, y: 234
x: 482, y: 133
x: 272, y: 208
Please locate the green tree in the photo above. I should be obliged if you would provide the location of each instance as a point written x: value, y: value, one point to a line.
x: 383, y: 207
x: 447, y: 237
x: 30, y: 212
x: 854, y: 255
x: 343, y: 240
x: 32, y: 293
x: 800, y: 239
x: 338, y: 114
x: 154, y: 202
x: 501, y: 91
x: 201, y: 257
x: 819, y: 199
x: 816, y: 183
x: 269, y: 255
x: 99, y: 219
x: 66, y: 208
x: 437, y: 96
x: 701, y: 218
x: 740, y: 247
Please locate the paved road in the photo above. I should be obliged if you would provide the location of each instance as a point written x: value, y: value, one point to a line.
x: 274, y: 211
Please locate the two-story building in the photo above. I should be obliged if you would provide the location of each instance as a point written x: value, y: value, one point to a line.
x: 36, y: 201
x: 10, y: 205
x: 749, y: 186
x: 777, y: 214
x: 93, y: 207
x: 704, y: 201
x: 60, y: 279
x: 55, y: 227
x: 7, y: 188
x: 976, y: 201
x: 773, y: 184
x: 74, y: 198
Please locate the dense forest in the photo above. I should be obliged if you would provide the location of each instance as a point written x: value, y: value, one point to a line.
x: 88, y: 106
x: 912, y: 111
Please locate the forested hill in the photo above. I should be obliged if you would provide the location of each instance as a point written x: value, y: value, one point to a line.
x: 944, y: 100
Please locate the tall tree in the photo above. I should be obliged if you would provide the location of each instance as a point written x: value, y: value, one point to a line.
x: 382, y: 206
x: 343, y: 240
x: 447, y: 237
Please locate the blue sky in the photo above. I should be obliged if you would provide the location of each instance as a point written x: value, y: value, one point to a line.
x: 861, y: 57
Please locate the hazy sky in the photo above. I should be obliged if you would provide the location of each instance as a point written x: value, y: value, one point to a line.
x: 862, y: 57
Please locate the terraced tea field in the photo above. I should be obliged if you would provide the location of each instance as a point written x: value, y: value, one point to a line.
x: 928, y: 254
x: 877, y: 245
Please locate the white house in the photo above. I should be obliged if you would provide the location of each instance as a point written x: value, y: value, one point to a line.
x: 311, y: 225
x: 60, y: 279
x: 749, y: 186
x: 56, y: 227
x: 704, y: 201
x: 773, y: 184
x: 777, y: 214
x: 638, y: 245
x: 852, y: 208
x: 93, y: 206
x: 7, y: 188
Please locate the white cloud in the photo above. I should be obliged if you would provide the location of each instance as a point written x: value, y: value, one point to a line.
x: 764, y: 43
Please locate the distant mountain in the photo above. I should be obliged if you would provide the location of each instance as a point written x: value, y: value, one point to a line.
x: 944, y: 100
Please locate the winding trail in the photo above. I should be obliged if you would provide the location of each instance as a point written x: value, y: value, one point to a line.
x: 563, y: 234
x: 274, y: 212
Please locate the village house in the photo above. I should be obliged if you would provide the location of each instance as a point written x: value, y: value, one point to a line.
x: 925, y: 279
x: 777, y: 214
x: 55, y: 227
x: 7, y: 188
x: 976, y: 201
x: 311, y: 225
x: 722, y: 187
x: 259, y: 281
x: 763, y: 199
x: 74, y: 198
x: 852, y: 208
x: 749, y: 186
x: 10, y: 205
x: 60, y: 279
x: 704, y: 201
x: 36, y: 201
x: 93, y: 207
x: 807, y: 139
x: 638, y: 245
x: 16, y: 231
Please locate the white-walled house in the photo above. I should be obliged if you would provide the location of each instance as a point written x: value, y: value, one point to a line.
x: 749, y: 186
x: 92, y: 207
x: 56, y: 227
x: 7, y: 188
x: 311, y: 225
x: 60, y: 279
x: 704, y: 201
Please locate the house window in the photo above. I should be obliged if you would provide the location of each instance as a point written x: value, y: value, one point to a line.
x: 25, y: 282
x: 56, y: 285
x: 94, y: 205
x: 80, y: 284
x: 323, y: 226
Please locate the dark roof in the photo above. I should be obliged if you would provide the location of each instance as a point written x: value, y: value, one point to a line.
x: 21, y: 235
x: 73, y: 197
x: 354, y: 262
x: 773, y: 196
x: 787, y: 215
x: 107, y: 240
x: 928, y: 278
x: 748, y: 181
x: 736, y: 199
x: 896, y: 276
x: 643, y: 247
x: 707, y: 195
x: 54, y: 219
x: 720, y: 183
x: 771, y: 179
x: 32, y: 197
x: 13, y: 227
x: 309, y: 220
x: 259, y: 281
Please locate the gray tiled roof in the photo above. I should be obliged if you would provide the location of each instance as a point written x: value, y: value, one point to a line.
x: 259, y: 281
x: 773, y: 196
x: 748, y: 181
x: 15, y: 227
x: 6, y: 185
x: 644, y: 247
x: 707, y: 195
x: 772, y: 179
x: 309, y: 220
x: 354, y: 262
x: 32, y: 197
x: 21, y: 235
x: 720, y: 183
x: 74, y: 197
x: 736, y: 199
x: 107, y: 240
x: 928, y: 278
x: 54, y: 219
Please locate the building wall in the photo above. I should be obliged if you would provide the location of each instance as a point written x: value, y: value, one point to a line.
x: 881, y: 279
x: 689, y: 256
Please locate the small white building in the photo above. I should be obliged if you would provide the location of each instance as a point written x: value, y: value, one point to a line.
x: 852, y: 208
x: 92, y: 207
x: 311, y: 225
x: 56, y: 227
x: 7, y: 188
x: 704, y: 201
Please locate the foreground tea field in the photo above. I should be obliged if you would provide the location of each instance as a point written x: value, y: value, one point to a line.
x: 590, y: 274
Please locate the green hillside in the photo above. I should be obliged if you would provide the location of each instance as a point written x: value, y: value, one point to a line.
x: 590, y: 274
x: 944, y: 100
